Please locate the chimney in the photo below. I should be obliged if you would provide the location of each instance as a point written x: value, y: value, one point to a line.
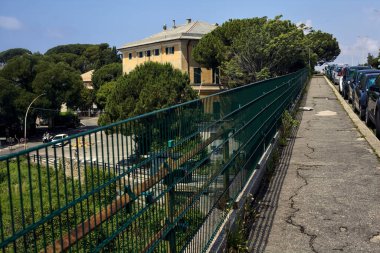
x: 164, y: 27
x: 188, y: 20
x: 174, y: 24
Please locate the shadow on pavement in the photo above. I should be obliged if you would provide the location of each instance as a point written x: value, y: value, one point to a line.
x: 269, y: 193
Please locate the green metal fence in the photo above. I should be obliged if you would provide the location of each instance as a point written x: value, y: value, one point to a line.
x: 159, y: 182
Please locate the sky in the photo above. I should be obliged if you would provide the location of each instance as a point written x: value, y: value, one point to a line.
x: 38, y: 25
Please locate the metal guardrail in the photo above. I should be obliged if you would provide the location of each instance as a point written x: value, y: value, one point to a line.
x: 158, y: 182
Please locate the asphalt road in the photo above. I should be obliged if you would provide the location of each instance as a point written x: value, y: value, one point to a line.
x: 325, y: 193
x: 87, y: 124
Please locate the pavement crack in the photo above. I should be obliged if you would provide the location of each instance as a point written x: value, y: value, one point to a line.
x: 341, y: 248
x: 290, y: 218
x: 307, y: 155
x: 312, y: 150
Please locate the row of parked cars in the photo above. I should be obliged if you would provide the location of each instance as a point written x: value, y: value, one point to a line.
x: 360, y: 85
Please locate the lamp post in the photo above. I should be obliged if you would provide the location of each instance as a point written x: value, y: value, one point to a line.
x: 26, y: 115
x: 199, y: 90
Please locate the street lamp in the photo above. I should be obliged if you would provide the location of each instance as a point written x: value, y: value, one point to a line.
x: 26, y: 115
x: 199, y: 91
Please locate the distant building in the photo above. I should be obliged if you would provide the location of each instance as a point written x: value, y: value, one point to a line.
x: 87, y: 79
x: 174, y: 45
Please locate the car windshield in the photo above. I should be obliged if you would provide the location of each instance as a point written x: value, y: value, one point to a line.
x: 58, y: 137
x: 371, y: 81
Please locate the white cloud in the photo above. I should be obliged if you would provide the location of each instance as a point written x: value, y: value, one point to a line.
x: 360, y: 49
x: 10, y: 23
x: 308, y: 25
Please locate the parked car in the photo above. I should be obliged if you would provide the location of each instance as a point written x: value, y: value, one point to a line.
x: 356, y: 81
x: 349, y: 78
x: 372, y: 115
x: 337, y: 73
x: 343, y: 78
x: 58, y: 140
x: 361, y: 93
x: 329, y: 70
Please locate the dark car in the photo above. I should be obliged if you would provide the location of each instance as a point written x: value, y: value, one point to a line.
x: 361, y: 92
x: 348, y: 77
x: 372, y: 115
x: 355, y: 81
x: 329, y: 70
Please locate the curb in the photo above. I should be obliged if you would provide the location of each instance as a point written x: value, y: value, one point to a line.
x: 370, y: 137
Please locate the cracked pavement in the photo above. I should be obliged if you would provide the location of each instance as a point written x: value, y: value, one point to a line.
x: 325, y: 193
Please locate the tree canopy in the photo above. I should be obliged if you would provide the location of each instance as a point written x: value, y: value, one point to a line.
x: 248, y: 50
x: 61, y: 84
x: 374, y: 61
x: 324, y: 45
x: 103, y: 92
x: 9, y: 54
x: 56, y: 73
x: 84, y: 57
x: 148, y: 87
x: 21, y: 70
x: 107, y: 73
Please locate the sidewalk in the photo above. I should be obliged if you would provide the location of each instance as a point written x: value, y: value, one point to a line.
x: 325, y: 193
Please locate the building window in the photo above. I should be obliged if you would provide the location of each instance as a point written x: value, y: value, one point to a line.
x: 215, y: 76
x: 169, y: 50
x: 141, y: 54
x: 130, y: 56
x: 156, y: 52
x: 197, y: 75
x: 147, y: 53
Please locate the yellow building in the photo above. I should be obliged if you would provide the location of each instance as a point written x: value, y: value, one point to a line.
x: 175, y: 45
x: 87, y: 79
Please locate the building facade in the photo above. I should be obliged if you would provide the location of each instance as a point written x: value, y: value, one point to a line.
x: 173, y: 46
x: 87, y: 79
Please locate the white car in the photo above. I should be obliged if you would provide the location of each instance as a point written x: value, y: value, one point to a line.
x: 57, y: 138
x: 341, y: 84
x: 337, y: 74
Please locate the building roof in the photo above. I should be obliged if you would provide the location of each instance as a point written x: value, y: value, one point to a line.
x: 191, y: 30
x: 87, y: 77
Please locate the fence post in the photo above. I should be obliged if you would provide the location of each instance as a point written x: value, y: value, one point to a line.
x: 169, y: 204
x: 226, y: 155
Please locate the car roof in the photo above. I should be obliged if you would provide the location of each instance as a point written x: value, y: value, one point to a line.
x: 368, y: 71
x: 372, y: 74
x: 360, y: 67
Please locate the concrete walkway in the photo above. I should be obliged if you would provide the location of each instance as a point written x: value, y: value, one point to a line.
x: 325, y: 193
